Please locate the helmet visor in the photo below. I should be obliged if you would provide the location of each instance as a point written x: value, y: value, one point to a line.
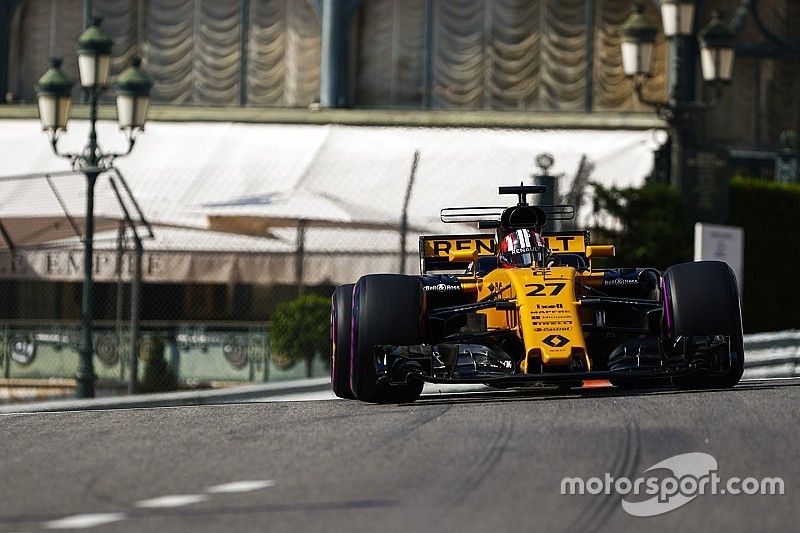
x: 523, y: 248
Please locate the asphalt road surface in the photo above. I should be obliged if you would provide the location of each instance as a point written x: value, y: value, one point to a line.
x: 459, y: 462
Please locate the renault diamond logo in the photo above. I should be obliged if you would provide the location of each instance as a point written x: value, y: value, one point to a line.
x: 556, y: 341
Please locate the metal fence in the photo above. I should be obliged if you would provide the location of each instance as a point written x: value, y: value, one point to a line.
x: 772, y: 355
x: 41, y: 256
x: 208, y: 268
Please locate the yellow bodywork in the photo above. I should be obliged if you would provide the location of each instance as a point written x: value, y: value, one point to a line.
x: 547, y: 315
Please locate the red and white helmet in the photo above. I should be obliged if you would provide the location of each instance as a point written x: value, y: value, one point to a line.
x: 523, y: 248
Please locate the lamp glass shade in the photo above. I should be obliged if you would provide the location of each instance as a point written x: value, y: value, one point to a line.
x: 717, y: 49
x: 637, y: 58
x: 637, y: 40
x: 94, y: 69
x: 717, y: 64
x: 54, y: 111
x: 132, y: 111
x: 133, y: 96
x: 678, y: 18
x: 94, y: 55
x: 53, y: 93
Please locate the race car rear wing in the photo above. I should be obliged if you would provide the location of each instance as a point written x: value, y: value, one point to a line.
x: 488, y: 217
x: 437, y: 253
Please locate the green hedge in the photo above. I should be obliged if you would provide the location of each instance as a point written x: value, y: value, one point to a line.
x: 769, y: 213
x: 650, y: 226
x: 301, y: 330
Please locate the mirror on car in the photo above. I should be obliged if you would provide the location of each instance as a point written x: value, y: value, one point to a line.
x: 600, y: 250
x: 465, y: 256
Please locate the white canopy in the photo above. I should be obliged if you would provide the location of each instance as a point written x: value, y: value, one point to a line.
x: 345, y: 185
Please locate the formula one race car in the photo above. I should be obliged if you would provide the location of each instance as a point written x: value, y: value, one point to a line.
x: 521, y: 306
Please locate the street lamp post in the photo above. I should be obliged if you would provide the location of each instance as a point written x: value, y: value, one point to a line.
x: 716, y: 41
x: 53, y: 91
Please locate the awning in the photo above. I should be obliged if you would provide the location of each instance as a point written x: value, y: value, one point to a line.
x: 344, y: 185
x: 179, y: 255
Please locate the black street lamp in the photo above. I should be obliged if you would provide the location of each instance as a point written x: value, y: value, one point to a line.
x: 717, y: 44
x: 53, y: 91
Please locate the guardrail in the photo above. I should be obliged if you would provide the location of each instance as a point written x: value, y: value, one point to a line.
x: 196, y: 352
x: 238, y: 394
x: 772, y: 355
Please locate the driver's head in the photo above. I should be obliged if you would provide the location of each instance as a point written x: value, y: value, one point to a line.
x: 523, y: 248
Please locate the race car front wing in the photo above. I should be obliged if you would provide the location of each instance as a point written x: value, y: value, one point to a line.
x: 480, y: 363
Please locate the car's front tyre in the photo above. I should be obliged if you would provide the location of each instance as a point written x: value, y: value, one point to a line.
x: 701, y: 299
x: 388, y: 309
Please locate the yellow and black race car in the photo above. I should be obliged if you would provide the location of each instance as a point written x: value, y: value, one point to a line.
x: 520, y: 306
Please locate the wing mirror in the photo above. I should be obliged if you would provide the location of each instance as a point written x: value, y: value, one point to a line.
x: 463, y: 256
x: 599, y: 250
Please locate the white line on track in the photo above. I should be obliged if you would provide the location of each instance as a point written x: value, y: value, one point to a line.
x: 83, y: 521
x: 240, y: 486
x: 172, y: 500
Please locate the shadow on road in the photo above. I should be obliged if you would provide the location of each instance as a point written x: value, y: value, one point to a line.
x: 553, y: 394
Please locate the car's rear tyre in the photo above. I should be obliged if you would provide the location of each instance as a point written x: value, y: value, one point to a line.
x: 341, y: 319
x: 387, y: 309
x: 702, y: 299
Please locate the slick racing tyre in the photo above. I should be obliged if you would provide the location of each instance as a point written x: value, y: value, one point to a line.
x: 702, y: 299
x: 341, y: 318
x: 387, y: 309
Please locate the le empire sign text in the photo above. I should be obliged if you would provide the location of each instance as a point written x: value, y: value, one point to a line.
x: 67, y: 265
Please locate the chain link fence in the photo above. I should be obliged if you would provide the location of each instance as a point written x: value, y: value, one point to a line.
x: 205, y: 339
x: 235, y: 233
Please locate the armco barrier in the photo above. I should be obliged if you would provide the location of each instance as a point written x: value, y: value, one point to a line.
x: 772, y: 355
x: 176, y: 399
x: 767, y: 355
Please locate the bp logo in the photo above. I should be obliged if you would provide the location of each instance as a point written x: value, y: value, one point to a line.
x: 556, y: 341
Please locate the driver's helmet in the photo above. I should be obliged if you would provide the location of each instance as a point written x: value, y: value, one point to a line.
x: 523, y: 248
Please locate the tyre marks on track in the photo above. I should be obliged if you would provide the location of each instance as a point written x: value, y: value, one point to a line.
x: 415, y: 423
x: 485, y: 464
x: 601, y: 507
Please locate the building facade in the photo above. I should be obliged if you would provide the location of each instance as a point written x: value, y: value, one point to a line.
x: 435, y: 59
x: 527, y: 56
